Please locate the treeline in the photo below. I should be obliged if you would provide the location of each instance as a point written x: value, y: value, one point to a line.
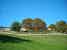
x: 37, y: 25
x: 60, y: 26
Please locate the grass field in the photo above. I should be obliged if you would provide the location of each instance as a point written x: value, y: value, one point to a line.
x: 44, y: 42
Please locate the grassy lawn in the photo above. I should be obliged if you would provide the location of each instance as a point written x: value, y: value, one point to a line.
x: 46, y: 42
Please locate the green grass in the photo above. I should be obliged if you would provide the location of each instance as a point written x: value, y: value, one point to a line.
x: 48, y: 42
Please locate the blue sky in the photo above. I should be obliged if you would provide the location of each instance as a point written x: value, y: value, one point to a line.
x: 17, y: 10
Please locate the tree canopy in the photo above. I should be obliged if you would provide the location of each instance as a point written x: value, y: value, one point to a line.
x: 15, y: 26
x: 38, y: 24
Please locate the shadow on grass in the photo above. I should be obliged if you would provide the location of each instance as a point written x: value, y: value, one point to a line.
x: 6, y: 38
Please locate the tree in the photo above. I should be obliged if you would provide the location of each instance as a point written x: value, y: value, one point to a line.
x: 60, y: 26
x: 35, y: 25
x: 52, y: 27
x: 27, y: 23
x: 65, y: 28
x: 42, y: 25
x: 15, y: 26
x: 39, y: 24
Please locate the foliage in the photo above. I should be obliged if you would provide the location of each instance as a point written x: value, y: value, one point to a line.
x: 15, y: 26
x: 36, y: 25
x: 39, y: 25
x: 60, y: 26
x: 52, y: 26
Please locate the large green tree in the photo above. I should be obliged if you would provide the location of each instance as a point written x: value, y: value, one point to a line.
x: 65, y: 27
x: 15, y: 26
x: 60, y: 26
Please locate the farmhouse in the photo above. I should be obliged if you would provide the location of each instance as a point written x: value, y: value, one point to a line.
x: 23, y: 29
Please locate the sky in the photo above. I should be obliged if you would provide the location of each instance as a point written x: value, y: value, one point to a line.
x: 48, y: 10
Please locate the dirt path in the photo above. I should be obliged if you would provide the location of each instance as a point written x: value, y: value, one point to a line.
x: 30, y: 34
